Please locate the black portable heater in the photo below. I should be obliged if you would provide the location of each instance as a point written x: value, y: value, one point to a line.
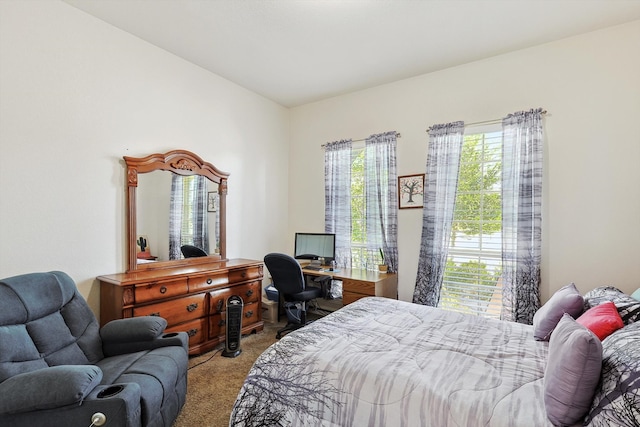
x: 234, y: 326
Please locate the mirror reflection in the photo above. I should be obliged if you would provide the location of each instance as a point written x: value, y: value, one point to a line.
x: 176, y: 211
x: 177, y: 217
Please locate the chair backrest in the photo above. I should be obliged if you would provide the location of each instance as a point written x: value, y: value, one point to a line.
x: 286, y: 273
x: 44, y: 321
x: 190, y: 251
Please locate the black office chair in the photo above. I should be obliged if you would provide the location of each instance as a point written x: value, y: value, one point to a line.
x: 190, y: 251
x: 289, y: 281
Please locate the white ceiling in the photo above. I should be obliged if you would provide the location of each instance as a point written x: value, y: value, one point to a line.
x: 299, y: 51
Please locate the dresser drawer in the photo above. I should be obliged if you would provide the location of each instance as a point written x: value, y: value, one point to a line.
x: 359, y: 287
x: 349, y: 297
x: 161, y: 289
x: 204, y: 282
x: 175, y: 311
x: 196, y: 329
x: 218, y: 322
x: 250, y: 314
x: 248, y: 273
x: 249, y: 292
x: 218, y: 300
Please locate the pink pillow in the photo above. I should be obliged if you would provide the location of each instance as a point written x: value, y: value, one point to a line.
x: 602, y: 320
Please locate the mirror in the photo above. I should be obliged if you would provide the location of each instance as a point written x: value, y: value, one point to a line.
x: 174, y: 199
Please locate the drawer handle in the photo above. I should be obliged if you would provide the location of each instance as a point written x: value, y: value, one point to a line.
x: 250, y: 292
x: 209, y: 280
x: 155, y: 314
x: 192, y: 332
x: 163, y: 289
x: 248, y: 313
x: 219, y: 305
x: 243, y: 274
x: 221, y: 322
x: 192, y: 307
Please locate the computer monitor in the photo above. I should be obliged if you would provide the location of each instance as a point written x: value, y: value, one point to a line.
x: 315, y: 246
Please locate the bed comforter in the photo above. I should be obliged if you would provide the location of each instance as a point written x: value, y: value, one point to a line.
x: 382, y: 362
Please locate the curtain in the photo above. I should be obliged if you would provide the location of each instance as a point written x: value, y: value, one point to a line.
x: 199, y: 213
x: 441, y: 182
x: 337, y: 191
x: 381, y: 195
x: 188, y: 219
x: 175, y: 216
x: 521, y: 214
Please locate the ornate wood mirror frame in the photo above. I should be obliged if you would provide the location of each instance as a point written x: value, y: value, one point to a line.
x: 180, y: 162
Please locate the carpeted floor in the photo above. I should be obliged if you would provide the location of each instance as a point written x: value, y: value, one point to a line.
x: 214, y: 381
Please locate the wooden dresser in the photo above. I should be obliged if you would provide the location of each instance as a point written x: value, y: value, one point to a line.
x: 191, y: 298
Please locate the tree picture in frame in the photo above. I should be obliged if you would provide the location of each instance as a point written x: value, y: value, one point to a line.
x: 411, y: 191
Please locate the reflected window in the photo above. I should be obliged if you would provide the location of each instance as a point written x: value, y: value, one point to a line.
x: 188, y: 223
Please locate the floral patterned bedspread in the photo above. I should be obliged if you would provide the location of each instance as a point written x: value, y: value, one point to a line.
x: 382, y: 362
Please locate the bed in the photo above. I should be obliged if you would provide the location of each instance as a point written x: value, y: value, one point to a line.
x: 383, y: 362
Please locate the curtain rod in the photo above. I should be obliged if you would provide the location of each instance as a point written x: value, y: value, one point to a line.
x: 487, y: 122
x: 363, y: 139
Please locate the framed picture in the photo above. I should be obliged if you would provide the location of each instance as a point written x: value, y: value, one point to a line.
x: 212, y: 201
x: 411, y: 191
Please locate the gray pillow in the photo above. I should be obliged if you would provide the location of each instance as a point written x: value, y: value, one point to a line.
x: 628, y: 307
x: 572, y: 372
x: 565, y: 300
x: 617, y: 399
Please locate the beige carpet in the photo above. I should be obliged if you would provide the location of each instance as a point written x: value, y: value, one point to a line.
x: 214, y: 381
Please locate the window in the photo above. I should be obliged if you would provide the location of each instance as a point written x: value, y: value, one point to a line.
x: 188, y: 222
x: 360, y: 256
x: 360, y: 201
x: 471, y: 281
x: 188, y: 201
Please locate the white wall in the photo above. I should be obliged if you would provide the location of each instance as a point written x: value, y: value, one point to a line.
x: 590, y: 86
x: 77, y: 94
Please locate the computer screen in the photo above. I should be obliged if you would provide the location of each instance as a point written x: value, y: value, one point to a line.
x: 315, y: 245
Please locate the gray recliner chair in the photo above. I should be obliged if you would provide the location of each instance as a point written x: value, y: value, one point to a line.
x: 58, y: 368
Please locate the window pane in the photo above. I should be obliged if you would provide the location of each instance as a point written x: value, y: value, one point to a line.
x: 471, y: 281
x: 359, y: 214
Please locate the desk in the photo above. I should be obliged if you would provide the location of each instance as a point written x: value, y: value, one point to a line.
x: 358, y: 284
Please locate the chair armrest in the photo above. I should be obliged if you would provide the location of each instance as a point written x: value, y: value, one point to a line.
x: 137, y: 334
x: 133, y: 329
x: 48, y: 388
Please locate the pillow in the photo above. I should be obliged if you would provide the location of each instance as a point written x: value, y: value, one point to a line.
x: 629, y: 308
x: 565, y: 300
x: 636, y: 294
x: 602, y: 320
x: 572, y: 372
x: 617, y: 398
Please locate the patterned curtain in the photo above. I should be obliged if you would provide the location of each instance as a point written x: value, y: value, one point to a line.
x: 199, y: 213
x: 443, y: 164
x: 521, y: 214
x: 337, y: 197
x: 381, y: 195
x: 188, y: 219
x: 175, y: 217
